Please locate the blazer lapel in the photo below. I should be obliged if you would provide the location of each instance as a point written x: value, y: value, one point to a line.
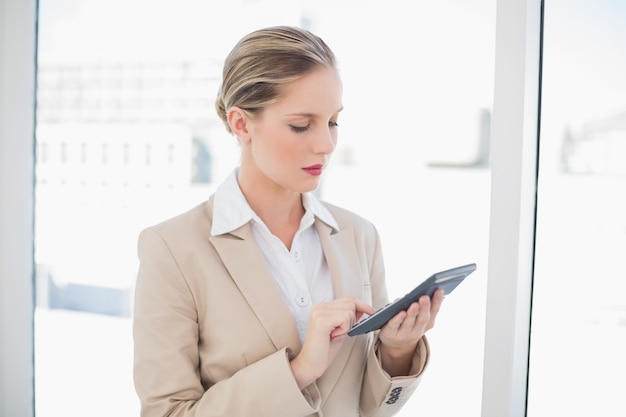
x: 345, y: 272
x: 247, y: 267
x: 342, y: 260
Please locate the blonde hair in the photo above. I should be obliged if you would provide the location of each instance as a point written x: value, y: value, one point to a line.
x: 264, y: 60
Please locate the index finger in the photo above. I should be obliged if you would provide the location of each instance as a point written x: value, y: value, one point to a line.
x: 362, y: 307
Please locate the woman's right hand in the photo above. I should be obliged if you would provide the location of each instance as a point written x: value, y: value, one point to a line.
x: 328, y: 328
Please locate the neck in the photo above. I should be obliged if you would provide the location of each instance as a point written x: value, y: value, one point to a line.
x: 281, y: 210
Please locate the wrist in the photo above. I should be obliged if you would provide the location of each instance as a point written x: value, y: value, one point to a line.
x: 398, y: 352
x: 301, y: 373
x: 396, y: 361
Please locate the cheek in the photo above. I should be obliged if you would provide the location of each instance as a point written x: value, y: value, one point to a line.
x: 288, y: 150
x: 286, y: 143
x: 277, y: 147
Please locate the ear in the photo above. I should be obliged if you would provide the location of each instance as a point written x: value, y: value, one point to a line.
x: 239, y: 121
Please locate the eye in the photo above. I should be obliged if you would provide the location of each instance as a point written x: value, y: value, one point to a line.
x: 299, y: 129
x: 333, y: 124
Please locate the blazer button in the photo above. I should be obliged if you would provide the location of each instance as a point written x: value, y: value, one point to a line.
x: 395, y: 394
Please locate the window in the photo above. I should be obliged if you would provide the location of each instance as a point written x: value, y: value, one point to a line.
x: 578, y: 336
x: 138, y: 111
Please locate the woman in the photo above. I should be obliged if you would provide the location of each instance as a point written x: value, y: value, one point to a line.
x: 243, y: 303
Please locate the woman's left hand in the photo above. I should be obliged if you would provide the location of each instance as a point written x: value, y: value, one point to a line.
x: 399, y: 337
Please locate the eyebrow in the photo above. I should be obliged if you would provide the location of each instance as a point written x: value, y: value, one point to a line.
x: 304, y: 114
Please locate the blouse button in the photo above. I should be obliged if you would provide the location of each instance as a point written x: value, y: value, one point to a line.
x: 302, y: 299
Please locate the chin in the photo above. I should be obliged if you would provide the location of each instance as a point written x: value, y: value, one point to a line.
x: 310, y: 186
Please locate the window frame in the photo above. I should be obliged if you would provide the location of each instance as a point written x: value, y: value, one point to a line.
x: 17, y: 163
x: 514, y: 160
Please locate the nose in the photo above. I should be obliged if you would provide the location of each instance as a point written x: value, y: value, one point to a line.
x: 325, y: 142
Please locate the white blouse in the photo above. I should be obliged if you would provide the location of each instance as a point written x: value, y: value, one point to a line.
x: 301, y: 274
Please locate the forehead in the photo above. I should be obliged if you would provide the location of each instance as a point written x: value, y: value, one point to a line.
x: 318, y: 92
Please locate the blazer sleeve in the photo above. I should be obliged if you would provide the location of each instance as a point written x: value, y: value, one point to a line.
x: 381, y: 395
x: 166, y: 353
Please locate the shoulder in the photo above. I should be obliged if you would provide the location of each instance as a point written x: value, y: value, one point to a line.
x: 194, y: 221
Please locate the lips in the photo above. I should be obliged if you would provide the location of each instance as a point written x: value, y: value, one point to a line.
x: 314, y: 170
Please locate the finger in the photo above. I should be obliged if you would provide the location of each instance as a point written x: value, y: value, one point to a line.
x: 405, y: 318
x: 338, y: 333
x: 437, y: 301
x: 326, y: 318
x: 410, y: 320
x: 433, y: 306
x: 351, y: 303
x: 362, y: 307
x: 357, y: 306
x: 396, y: 322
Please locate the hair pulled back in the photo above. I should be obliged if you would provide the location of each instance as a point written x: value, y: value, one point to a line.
x: 264, y: 60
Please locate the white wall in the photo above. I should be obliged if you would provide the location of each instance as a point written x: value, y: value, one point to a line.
x: 17, y: 109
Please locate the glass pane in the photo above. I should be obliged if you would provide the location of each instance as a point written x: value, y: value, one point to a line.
x: 127, y: 136
x: 578, y: 337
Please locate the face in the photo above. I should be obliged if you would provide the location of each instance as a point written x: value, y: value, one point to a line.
x: 288, y: 146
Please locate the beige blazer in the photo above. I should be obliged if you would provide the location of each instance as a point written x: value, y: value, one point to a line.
x: 213, y: 336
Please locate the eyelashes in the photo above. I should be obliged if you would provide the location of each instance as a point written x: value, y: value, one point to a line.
x: 299, y: 129
x: 302, y: 129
